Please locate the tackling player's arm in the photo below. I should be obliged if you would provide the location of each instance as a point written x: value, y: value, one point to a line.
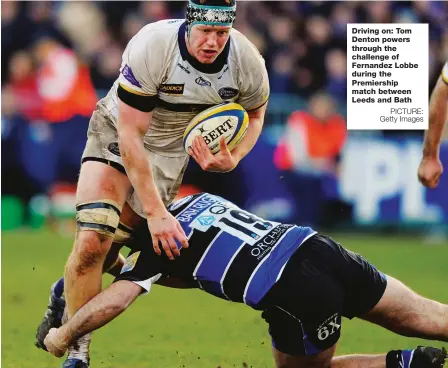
x: 137, y: 96
x: 99, y: 311
x: 431, y: 168
x: 141, y: 270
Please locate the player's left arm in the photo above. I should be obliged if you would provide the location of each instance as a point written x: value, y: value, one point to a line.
x: 224, y: 160
x: 99, y: 311
x: 254, y: 95
x: 256, y: 120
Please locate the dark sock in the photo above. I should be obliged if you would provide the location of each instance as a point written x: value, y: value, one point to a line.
x: 399, y: 358
x: 59, y: 288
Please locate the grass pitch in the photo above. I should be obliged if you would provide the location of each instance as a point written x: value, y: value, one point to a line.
x: 187, y: 328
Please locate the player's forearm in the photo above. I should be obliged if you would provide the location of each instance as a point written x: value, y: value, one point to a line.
x: 99, y: 311
x: 437, y: 119
x: 138, y: 169
x: 251, y: 137
x: 132, y: 126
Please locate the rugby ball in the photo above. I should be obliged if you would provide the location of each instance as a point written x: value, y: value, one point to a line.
x: 228, y: 120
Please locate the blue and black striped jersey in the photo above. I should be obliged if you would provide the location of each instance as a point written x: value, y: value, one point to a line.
x: 232, y: 253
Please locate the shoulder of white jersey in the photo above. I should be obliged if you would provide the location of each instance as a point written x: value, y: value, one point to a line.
x: 242, y: 45
x: 252, y: 72
x: 158, y: 39
x: 445, y: 73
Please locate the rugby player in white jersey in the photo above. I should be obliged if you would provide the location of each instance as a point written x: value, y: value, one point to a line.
x: 302, y: 281
x: 171, y: 70
x: 431, y: 168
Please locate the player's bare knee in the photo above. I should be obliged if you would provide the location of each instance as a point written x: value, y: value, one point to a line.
x: 405, y: 319
x: 88, y: 260
x: 417, y: 316
x: 400, y: 310
x: 431, y: 320
x: 410, y: 324
x: 90, y: 251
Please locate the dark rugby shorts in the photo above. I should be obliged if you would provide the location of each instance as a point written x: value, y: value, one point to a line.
x: 322, y: 282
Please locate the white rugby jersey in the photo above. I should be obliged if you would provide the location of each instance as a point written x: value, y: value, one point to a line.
x: 159, y: 73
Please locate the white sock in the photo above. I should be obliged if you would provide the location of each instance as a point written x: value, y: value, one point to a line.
x: 80, y: 350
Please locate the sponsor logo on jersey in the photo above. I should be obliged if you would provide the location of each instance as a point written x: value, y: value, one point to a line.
x: 202, y: 82
x: 264, y: 246
x: 113, y: 148
x: 206, y: 220
x: 226, y: 93
x: 192, y: 211
x: 218, y: 132
x: 130, y: 262
x: 183, y: 68
x: 172, y: 89
x: 129, y: 76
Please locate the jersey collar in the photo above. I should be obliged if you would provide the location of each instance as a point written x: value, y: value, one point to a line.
x: 216, y: 67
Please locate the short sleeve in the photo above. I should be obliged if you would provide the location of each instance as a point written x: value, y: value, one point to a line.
x: 254, y: 91
x: 141, y: 68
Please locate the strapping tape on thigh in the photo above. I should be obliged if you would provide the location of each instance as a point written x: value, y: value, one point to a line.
x: 101, y: 216
x: 123, y: 234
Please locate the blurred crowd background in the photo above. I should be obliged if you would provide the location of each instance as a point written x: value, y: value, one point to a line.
x: 59, y: 58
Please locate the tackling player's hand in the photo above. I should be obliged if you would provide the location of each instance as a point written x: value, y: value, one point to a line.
x: 223, y: 161
x: 54, y: 343
x: 165, y: 228
x: 429, y: 172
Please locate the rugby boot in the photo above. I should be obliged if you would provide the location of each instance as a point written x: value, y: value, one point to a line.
x: 74, y: 363
x: 428, y: 357
x: 52, y: 318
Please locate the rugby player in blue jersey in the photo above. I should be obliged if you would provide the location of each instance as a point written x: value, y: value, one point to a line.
x: 302, y: 281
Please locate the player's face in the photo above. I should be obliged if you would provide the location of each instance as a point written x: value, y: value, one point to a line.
x: 207, y: 42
